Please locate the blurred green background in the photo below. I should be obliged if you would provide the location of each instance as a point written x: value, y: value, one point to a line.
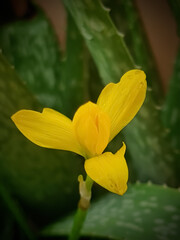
x: 60, y: 54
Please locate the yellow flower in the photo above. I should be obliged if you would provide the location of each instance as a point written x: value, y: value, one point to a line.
x: 92, y: 128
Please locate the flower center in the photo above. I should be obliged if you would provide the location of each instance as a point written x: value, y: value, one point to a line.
x: 92, y: 129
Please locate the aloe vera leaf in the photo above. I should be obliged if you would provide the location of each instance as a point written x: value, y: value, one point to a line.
x: 171, y: 106
x: 152, y: 156
x: 42, y: 179
x: 146, y: 211
x: 127, y: 20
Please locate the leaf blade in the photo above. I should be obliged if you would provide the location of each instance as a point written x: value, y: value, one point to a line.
x: 145, y: 211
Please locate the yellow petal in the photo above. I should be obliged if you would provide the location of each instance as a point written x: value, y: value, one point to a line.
x: 49, y: 129
x: 92, y: 128
x: 109, y: 170
x: 123, y: 100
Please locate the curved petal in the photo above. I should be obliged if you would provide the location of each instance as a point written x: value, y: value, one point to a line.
x: 49, y: 129
x: 123, y: 100
x: 92, y: 128
x: 109, y: 170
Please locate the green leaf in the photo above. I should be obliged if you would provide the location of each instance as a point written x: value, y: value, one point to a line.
x: 16, y: 212
x: 146, y: 211
x: 171, y: 108
x: 73, y: 70
x: 171, y: 111
x: 152, y: 156
x: 101, y: 37
x: 6, y: 222
x: 32, y: 48
x: 126, y: 18
x: 43, y: 179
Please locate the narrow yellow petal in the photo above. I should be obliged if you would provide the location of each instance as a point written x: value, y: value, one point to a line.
x: 49, y: 129
x: 123, y: 100
x: 109, y: 170
x: 92, y: 129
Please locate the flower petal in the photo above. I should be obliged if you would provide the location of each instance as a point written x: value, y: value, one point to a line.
x: 123, y: 100
x: 49, y: 129
x: 109, y: 170
x: 92, y: 128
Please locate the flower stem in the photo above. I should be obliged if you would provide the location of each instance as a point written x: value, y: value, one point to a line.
x: 84, y: 202
x: 78, y: 223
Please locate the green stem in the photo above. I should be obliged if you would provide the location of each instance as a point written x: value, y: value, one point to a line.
x: 78, y: 223
x: 81, y: 213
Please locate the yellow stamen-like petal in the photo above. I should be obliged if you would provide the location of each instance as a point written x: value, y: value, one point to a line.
x: 109, y: 170
x: 123, y: 100
x: 49, y: 129
x: 92, y: 128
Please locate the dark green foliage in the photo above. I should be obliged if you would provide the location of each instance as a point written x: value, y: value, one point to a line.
x: 44, y: 180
